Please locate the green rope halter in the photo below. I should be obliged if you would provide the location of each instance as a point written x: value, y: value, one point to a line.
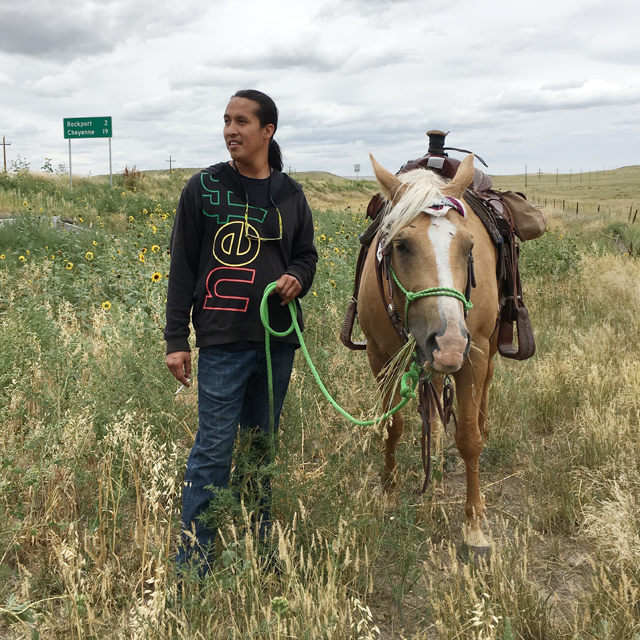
x: 427, y: 293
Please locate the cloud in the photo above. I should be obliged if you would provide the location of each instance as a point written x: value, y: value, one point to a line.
x: 563, y: 84
x: 311, y: 55
x: 592, y: 93
x: 151, y: 109
x: 536, y: 39
x: 374, y: 8
x: 510, y: 138
x: 76, y: 28
x: 60, y: 86
x: 5, y: 79
x: 213, y: 76
x: 307, y: 53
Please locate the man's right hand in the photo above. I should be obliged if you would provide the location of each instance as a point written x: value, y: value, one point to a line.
x: 179, y: 363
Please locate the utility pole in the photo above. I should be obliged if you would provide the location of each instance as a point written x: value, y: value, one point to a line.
x: 4, y: 152
x: 170, y: 160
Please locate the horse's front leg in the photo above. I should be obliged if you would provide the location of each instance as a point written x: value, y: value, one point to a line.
x: 471, y: 388
x: 394, y: 427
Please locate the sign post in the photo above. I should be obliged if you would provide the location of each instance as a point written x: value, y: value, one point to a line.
x: 356, y: 168
x: 88, y: 128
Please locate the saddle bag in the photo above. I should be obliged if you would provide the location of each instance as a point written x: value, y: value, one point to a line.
x: 528, y: 221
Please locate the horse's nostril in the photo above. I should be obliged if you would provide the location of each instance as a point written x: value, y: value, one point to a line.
x: 431, y: 344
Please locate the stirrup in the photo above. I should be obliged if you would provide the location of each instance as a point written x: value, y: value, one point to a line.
x: 526, y: 341
x: 347, y: 328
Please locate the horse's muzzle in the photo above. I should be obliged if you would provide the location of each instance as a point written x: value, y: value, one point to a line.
x: 446, y: 352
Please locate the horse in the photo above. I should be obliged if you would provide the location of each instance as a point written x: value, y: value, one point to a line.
x: 429, y: 246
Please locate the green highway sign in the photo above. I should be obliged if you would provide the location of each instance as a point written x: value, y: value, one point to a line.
x: 87, y: 128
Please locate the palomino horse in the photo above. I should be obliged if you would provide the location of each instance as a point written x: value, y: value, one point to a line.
x: 430, y: 248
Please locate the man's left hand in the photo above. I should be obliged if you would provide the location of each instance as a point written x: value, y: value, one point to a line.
x: 288, y: 288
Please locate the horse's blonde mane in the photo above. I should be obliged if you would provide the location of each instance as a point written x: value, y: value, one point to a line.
x: 424, y: 186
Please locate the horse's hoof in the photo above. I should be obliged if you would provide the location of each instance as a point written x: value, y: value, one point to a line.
x: 470, y: 554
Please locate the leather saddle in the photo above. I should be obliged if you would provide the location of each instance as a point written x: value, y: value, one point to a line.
x: 497, y: 219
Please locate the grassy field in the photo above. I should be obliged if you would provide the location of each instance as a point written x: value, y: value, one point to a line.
x: 94, y: 440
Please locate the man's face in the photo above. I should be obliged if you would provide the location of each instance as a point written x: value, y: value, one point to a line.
x: 246, y: 140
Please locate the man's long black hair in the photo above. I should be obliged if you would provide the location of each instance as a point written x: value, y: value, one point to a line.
x: 267, y: 114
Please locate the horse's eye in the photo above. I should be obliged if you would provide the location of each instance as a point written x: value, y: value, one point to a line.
x: 401, y: 246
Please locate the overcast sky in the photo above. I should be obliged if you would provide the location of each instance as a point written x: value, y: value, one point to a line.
x: 553, y: 84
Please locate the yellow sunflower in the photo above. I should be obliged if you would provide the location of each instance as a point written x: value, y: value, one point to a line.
x: 106, y: 305
x: 88, y: 255
x: 156, y: 276
x: 22, y: 258
x: 95, y: 244
x: 155, y: 248
x: 141, y: 257
x: 69, y: 265
x: 130, y: 218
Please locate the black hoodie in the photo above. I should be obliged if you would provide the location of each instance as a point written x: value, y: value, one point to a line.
x: 218, y: 274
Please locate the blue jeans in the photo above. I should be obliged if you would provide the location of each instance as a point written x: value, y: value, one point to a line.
x: 232, y: 391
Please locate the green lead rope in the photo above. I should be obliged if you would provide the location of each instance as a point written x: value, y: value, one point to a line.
x: 408, y: 385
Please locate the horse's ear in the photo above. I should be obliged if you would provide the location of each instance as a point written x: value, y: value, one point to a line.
x: 462, y: 179
x: 392, y: 188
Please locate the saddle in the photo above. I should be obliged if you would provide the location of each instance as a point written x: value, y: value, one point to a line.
x: 500, y: 214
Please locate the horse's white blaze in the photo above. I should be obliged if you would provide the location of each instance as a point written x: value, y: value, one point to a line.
x: 441, y: 233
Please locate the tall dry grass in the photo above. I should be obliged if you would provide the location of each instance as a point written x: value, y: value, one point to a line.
x: 94, y: 441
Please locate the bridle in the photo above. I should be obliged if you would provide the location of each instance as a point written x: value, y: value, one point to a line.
x: 385, y: 273
x: 428, y: 397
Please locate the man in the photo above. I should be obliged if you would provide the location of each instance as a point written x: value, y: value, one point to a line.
x: 240, y: 225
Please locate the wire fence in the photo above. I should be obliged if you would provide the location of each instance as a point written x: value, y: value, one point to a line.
x: 577, y: 207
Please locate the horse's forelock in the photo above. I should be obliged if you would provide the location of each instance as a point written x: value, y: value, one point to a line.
x: 424, y: 187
